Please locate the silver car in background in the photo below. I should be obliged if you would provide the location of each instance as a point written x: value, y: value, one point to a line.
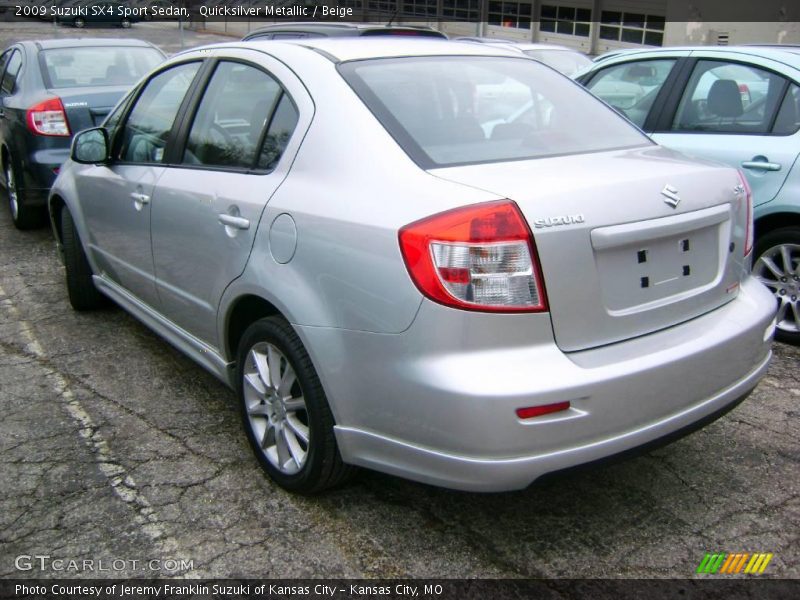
x: 333, y: 231
x: 562, y: 59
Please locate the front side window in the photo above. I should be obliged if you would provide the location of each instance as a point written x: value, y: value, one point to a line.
x: 12, y: 71
x: 113, y: 120
x: 96, y: 66
x: 144, y: 137
x: 465, y: 110
x: 236, y: 108
x: 281, y: 126
x: 726, y: 97
x: 632, y: 87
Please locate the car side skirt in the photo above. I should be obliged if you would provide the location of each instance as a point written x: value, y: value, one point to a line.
x: 206, y: 356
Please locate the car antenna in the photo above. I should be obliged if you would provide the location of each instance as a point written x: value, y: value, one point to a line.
x: 394, y: 14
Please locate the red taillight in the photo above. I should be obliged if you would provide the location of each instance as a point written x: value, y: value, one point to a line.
x: 48, y: 118
x: 538, y: 411
x: 748, y: 240
x: 479, y: 257
x: 744, y: 92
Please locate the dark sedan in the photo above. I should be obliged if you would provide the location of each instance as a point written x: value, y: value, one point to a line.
x: 49, y: 90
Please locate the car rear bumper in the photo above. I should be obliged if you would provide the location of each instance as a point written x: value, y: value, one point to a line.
x: 41, y: 171
x: 437, y: 402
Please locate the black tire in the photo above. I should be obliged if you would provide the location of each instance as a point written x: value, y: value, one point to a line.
x: 323, y: 467
x: 83, y: 295
x: 788, y: 330
x: 22, y: 215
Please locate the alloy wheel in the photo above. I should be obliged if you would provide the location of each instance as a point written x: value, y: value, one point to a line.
x: 778, y: 268
x: 276, y: 408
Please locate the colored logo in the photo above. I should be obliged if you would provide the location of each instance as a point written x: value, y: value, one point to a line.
x: 722, y: 563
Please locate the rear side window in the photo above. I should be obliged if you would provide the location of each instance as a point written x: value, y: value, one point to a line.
x: 454, y: 110
x: 149, y: 123
x: 239, y: 104
x: 12, y: 71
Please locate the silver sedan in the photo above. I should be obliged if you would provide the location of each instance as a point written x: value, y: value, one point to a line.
x: 437, y: 260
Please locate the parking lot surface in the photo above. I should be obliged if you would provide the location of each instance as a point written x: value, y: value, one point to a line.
x: 116, y: 448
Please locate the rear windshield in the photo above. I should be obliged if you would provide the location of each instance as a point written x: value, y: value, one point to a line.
x: 96, y: 66
x: 459, y: 110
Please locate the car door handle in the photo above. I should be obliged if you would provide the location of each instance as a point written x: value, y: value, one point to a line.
x: 235, y: 222
x: 761, y: 166
x: 140, y: 198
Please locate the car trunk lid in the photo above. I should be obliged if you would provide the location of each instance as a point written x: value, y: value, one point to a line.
x: 629, y: 241
x: 88, y: 107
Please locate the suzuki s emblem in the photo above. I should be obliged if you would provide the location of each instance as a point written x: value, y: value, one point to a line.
x: 671, y: 196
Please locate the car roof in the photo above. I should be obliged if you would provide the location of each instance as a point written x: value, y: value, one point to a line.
x: 341, y: 49
x: 785, y: 54
x: 515, y: 44
x: 86, y: 42
x: 337, y: 29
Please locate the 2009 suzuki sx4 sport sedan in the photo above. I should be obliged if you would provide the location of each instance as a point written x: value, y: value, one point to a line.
x: 432, y: 259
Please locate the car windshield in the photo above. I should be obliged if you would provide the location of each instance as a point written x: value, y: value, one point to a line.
x: 453, y: 110
x: 97, y: 66
x: 563, y: 61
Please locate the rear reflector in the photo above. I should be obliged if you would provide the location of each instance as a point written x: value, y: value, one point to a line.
x: 538, y: 411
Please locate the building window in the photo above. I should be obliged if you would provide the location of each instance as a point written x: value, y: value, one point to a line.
x: 510, y: 14
x: 565, y: 19
x: 632, y: 28
x: 389, y: 6
x: 420, y: 8
x: 468, y: 10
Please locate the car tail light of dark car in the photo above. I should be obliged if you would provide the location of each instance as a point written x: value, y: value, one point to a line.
x: 48, y: 118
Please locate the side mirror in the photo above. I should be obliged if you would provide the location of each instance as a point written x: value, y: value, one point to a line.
x: 90, y: 146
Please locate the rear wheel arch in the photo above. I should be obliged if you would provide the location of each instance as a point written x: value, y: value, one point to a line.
x: 767, y: 223
x: 243, y: 312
